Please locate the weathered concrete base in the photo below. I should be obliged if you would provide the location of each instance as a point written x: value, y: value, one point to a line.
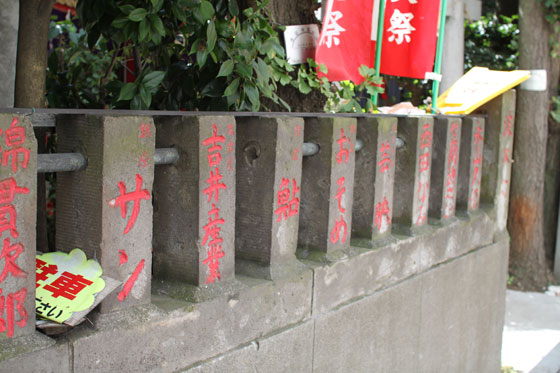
x: 427, y: 303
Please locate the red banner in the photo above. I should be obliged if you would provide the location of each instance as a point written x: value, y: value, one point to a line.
x: 409, y: 37
x: 345, y: 42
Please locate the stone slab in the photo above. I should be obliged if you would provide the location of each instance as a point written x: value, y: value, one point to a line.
x: 327, y: 185
x: 370, y: 270
x: 445, y: 167
x: 374, y: 178
x: 288, y: 351
x: 106, y: 210
x: 18, y: 217
x: 463, y: 304
x: 446, y: 319
x: 498, y: 155
x: 270, y: 152
x: 360, y: 337
x: 410, y: 206
x: 177, y: 334
x: 194, y: 199
x: 35, y: 353
x: 470, y: 163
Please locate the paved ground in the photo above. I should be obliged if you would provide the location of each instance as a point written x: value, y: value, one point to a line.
x: 531, y: 339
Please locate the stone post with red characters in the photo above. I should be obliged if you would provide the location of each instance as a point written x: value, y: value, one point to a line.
x: 194, y: 199
x: 18, y: 206
x: 470, y: 164
x: 498, y: 155
x: 445, y: 167
x: 374, y: 179
x: 412, y: 174
x: 106, y: 209
x: 328, y: 186
x: 269, y: 157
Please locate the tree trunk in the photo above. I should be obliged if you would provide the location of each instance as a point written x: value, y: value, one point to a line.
x: 295, y: 12
x: 525, y: 222
x: 31, y: 62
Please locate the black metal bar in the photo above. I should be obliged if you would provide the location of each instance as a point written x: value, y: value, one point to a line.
x: 166, y: 156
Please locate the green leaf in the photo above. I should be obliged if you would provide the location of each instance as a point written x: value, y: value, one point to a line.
x: 233, y: 8
x: 206, y: 9
x: 211, y: 36
x: 127, y: 92
x: 126, y: 9
x: 143, y: 30
x: 226, y: 68
x: 136, y: 103
x: 137, y: 14
x: 232, y: 88
x: 252, y: 93
x: 157, y: 24
x: 145, y: 95
x: 201, y: 57
x: 153, y: 80
x: 119, y: 22
x: 304, y: 87
x: 157, y: 4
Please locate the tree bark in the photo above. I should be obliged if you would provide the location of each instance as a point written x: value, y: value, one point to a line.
x: 295, y: 12
x: 31, y: 62
x: 527, y: 256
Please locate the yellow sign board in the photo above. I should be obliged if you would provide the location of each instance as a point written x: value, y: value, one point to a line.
x: 66, y: 283
x: 478, y: 86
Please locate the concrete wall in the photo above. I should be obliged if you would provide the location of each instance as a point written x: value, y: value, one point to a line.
x: 426, y: 295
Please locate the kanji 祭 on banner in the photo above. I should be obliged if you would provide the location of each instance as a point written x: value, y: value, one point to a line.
x: 409, y: 37
x: 345, y: 43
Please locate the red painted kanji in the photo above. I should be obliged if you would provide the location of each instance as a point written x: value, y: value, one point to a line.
x: 43, y: 271
x: 214, y: 186
x: 507, y: 157
x: 287, y: 207
x: 507, y: 127
x: 453, y: 159
x: 297, y: 130
x: 215, y: 253
x: 340, y: 193
x: 8, y: 219
x: 68, y: 285
x: 343, y: 153
x: 10, y: 303
x: 129, y: 284
x: 424, y: 162
x: 213, y: 140
x: 382, y: 211
x: 8, y: 190
x: 136, y: 196
x: 123, y: 257
x: 145, y: 130
x: 143, y: 160
x: 339, y: 225
x: 295, y: 154
x: 423, y: 190
x: 10, y: 253
x: 426, y: 137
x: 385, y: 163
x: 213, y: 228
x: 15, y: 136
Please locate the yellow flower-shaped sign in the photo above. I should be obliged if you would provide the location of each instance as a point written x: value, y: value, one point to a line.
x: 66, y: 283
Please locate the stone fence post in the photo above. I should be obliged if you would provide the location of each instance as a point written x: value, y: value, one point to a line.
x: 269, y: 189
x: 106, y: 209
x: 374, y: 179
x: 328, y: 186
x: 412, y: 174
x: 18, y: 216
x: 194, y: 201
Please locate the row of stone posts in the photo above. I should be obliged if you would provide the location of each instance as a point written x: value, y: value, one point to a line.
x: 241, y: 198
